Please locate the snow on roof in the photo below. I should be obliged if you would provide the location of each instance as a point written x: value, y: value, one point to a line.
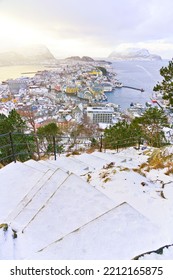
x: 68, y: 118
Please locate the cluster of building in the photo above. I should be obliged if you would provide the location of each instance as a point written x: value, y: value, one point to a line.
x: 67, y: 93
x: 63, y: 94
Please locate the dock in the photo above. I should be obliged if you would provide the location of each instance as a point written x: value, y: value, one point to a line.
x: 140, y: 89
x: 25, y: 73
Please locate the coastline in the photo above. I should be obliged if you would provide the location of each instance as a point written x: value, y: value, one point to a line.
x: 15, y: 71
x: 140, y: 74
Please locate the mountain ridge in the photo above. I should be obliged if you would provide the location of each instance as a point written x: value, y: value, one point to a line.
x: 134, y: 54
x: 26, y: 55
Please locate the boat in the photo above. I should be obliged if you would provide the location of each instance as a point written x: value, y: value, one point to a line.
x: 154, y: 100
x: 148, y: 104
x: 118, y: 85
x: 136, y: 105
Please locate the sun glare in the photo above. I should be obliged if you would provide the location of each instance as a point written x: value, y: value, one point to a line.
x: 15, y: 33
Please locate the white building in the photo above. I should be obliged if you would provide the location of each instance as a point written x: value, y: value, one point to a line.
x: 100, y: 114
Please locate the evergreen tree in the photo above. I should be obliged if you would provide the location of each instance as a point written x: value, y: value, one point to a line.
x: 12, y: 123
x: 13, y: 139
x: 149, y: 127
x: 166, y: 86
x: 152, y: 123
x: 47, y: 134
x: 122, y: 134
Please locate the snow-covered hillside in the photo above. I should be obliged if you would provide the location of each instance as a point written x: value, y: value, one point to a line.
x: 105, y: 205
x: 133, y: 54
x: 27, y: 55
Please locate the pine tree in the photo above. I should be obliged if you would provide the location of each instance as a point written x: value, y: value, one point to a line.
x: 47, y: 134
x: 152, y: 123
x: 12, y: 128
x: 166, y: 85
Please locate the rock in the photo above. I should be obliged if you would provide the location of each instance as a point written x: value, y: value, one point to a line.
x: 73, y: 58
x: 78, y: 58
x: 87, y: 58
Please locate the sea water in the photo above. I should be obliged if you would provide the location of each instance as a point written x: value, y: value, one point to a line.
x: 16, y: 71
x: 139, y: 74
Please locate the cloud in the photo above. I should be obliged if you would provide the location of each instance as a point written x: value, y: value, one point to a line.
x: 99, y: 23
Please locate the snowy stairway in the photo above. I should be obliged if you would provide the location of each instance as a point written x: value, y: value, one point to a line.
x: 71, y: 164
x: 73, y: 204
x: 17, y: 179
x: 36, y: 199
x: 119, y: 160
x: 37, y: 165
x: 119, y: 233
x: 93, y: 161
x: 51, y: 165
x: 57, y: 214
x: 28, y: 197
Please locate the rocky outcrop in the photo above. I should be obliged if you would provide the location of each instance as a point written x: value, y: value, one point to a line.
x: 87, y: 58
x: 78, y: 58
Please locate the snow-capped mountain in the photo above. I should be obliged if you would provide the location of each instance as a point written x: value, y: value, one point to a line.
x: 26, y: 55
x: 133, y: 54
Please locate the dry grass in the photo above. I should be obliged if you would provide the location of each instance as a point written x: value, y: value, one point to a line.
x: 147, y: 169
x: 76, y: 153
x: 73, y: 153
x: 43, y: 157
x: 159, y: 164
x: 147, y: 153
x: 124, y: 169
x: 107, y: 180
x: 139, y: 171
x: 170, y: 169
x: 68, y: 155
x: 88, y: 178
x: 143, y: 165
x: 109, y: 165
x: 90, y: 150
x: 103, y: 175
x: 4, y: 226
x: 159, y: 159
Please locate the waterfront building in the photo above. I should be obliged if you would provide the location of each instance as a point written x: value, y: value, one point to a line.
x: 100, y: 114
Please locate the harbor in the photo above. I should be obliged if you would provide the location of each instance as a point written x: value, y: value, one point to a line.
x: 63, y: 93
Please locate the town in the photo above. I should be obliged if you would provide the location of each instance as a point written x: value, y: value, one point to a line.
x: 70, y: 93
x: 65, y: 93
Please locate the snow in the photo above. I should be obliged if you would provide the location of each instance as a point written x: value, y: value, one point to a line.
x: 14, y: 185
x: 88, y: 206
x: 113, y: 235
x: 133, y: 53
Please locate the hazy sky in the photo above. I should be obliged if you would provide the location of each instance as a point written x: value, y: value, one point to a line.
x: 88, y: 27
